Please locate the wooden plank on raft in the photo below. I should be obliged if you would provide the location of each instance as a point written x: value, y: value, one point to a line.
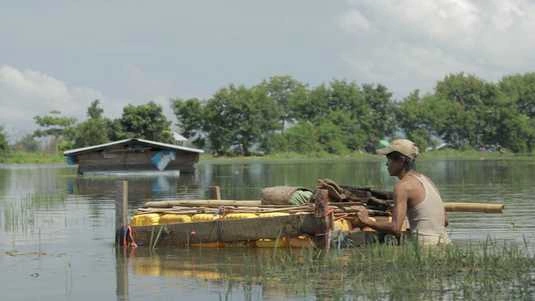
x: 206, y: 203
x: 184, y: 234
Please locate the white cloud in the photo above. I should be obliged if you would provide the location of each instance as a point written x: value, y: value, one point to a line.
x: 411, y: 44
x: 354, y: 21
x: 25, y: 94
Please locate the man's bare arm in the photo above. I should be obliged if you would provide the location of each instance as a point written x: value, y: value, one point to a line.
x: 399, y: 212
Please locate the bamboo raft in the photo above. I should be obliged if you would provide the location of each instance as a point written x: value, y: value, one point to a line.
x: 232, y: 223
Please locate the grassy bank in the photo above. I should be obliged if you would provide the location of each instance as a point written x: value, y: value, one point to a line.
x: 475, y: 155
x: 431, y: 155
x: 291, y: 156
x: 484, y: 271
x: 31, y: 157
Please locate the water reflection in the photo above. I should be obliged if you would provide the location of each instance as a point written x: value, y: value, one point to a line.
x: 50, y: 210
x: 237, y: 269
x: 245, y: 181
x: 140, y: 188
x: 121, y: 274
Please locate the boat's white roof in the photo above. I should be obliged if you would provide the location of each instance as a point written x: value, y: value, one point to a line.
x: 165, y: 145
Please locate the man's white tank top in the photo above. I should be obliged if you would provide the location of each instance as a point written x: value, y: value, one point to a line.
x: 426, y: 219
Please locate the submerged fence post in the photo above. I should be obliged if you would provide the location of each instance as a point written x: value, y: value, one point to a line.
x: 324, y: 218
x: 215, y: 193
x: 121, y: 212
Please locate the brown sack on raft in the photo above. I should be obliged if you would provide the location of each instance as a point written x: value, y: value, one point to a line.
x: 278, y: 195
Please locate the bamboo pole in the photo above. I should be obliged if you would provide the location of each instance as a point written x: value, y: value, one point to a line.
x: 449, y: 206
x: 473, y: 207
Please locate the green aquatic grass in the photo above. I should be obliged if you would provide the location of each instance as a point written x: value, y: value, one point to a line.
x: 31, y: 157
x: 18, y: 214
x: 290, y: 156
x: 483, y: 271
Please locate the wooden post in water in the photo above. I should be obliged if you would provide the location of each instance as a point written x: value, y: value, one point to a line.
x: 121, y: 273
x: 121, y: 211
x: 324, y: 217
x: 215, y: 193
x: 121, y: 256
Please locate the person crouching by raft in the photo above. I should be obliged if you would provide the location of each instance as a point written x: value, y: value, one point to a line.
x: 415, y: 197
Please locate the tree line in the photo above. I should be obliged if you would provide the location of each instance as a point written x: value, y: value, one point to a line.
x: 281, y: 114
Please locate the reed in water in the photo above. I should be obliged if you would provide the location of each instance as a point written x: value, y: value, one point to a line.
x: 485, y: 270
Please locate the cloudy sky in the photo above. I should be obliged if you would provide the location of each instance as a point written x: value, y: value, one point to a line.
x: 61, y: 55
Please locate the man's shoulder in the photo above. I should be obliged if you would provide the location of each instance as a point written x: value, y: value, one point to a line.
x: 409, y: 182
x: 402, y: 184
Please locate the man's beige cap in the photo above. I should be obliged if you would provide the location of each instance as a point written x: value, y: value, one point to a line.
x: 403, y: 146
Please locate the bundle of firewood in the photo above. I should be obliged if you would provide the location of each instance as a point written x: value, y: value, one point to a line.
x: 376, y: 201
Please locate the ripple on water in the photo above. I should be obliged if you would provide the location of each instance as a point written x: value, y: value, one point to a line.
x: 52, y: 210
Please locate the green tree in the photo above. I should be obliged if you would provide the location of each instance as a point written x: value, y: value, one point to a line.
x: 520, y: 88
x: 350, y: 111
x: 381, y: 119
x: 94, y: 130
x: 465, y: 89
x: 463, y: 113
x: 239, y: 118
x: 191, y: 119
x: 319, y: 102
x: 4, y: 146
x: 302, y: 138
x: 362, y: 116
x: 282, y: 89
x: 312, y: 105
x: 54, y: 125
x: 94, y: 111
x: 502, y: 124
x: 146, y: 121
x: 91, y: 132
x: 115, y: 129
x: 453, y: 123
x: 331, y: 137
x: 471, y: 112
x: 349, y: 131
x: 27, y: 143
x: 416, y: 119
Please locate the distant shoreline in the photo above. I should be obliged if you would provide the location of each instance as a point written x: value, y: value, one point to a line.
x: 46, y: 158
x: 358, y: 156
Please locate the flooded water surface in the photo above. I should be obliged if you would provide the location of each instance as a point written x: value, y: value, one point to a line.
x: 57, y: 228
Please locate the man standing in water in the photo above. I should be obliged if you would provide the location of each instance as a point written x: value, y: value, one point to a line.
x: 415, y: 197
